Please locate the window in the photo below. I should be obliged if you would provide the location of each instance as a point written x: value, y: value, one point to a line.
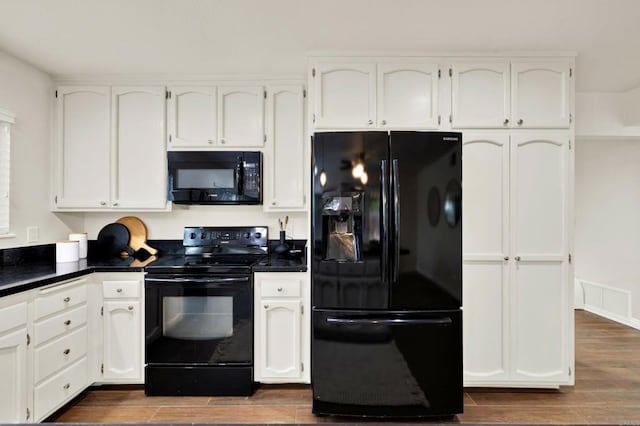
x: 6, y: 120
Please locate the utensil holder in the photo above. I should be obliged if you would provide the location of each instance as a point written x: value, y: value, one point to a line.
x: 282, y: 247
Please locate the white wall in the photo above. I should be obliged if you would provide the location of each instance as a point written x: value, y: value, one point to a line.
x: 607, y: 232
x: 28, y: 93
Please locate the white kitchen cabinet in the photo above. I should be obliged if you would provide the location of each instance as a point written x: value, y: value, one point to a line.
x: 83, y: 147
x: 123, y: 330
x: 192, y: 116
x: 480, y: 96
x: 140, y: 174
x: 241, y: 116
x: 110, y: 151
x: 505, y: 94
x: 281, y: 338
x: 344, y: 95
x: 407, y: 95
x: 540, y: 94
x: 517, y: 310
x: 15, y: 390
x: 285, y: 169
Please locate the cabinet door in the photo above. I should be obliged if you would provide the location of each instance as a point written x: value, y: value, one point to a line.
x: 123, y: 340
x: 541, y: 309
x: 285, y: 171
x: 540, y: 95
x: 83, y: 147
x: 344, y: 96
x: 480, y: 95
x: 241, y: 116
x: 13, y: 373
x: 280, y: 343
x: 485, y: 216
x: 138, y: 142
x: 407, y: 96
x: 191, y: 116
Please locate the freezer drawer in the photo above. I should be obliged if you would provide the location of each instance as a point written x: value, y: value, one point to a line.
x: 387, y: 364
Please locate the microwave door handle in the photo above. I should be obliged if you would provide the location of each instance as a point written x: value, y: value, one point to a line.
x: 240, y: 177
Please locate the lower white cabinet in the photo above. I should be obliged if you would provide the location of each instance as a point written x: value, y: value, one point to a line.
x: 15, y: 390
x: 281, y: 342
x: 123, y: 328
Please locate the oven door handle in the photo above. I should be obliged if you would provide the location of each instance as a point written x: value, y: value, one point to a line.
x: 199, y: 280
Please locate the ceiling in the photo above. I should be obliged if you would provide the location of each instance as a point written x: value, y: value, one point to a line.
x: 71, y: 37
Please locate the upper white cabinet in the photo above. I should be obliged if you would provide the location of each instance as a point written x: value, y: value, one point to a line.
x: 138, y: 139
x: 284, y: 155
x: 110, y: 151
x: 386, y: 95
x: 517, y: 310
x: 192, y: 116
x: 505, y: 94
x: 241, y: 116
x: 83, y: 147
x: 540, y: 94
x: 407, y: 96
x: 344, y: 95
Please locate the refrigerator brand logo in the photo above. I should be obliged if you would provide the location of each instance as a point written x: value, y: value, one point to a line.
x: 446, y: 138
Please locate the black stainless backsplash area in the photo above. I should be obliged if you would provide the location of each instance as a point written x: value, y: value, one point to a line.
x: 44, y: 253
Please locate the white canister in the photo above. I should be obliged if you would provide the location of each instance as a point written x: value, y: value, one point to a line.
x: 67, y: 251
x: 81, y: 238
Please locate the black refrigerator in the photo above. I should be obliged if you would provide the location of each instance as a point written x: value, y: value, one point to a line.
x: 386, y: 274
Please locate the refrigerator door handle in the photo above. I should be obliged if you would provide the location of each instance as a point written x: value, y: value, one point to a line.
x: 396, y: 222
x: 384, y: 191
x: 390, y: 321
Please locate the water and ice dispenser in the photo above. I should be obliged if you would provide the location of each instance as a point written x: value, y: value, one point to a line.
x: 342, y: 226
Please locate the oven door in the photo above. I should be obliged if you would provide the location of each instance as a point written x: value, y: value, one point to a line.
x: 199, y: 320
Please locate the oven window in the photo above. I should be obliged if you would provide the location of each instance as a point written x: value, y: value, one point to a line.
x: 204, y: 178
x: 197, y: 317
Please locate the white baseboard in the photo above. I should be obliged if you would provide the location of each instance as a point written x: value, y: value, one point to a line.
x: 604, y: 300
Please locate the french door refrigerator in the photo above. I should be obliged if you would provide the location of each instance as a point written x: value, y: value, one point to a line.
x: 387, y: 274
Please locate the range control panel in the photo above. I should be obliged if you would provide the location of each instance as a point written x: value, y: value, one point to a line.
x: 214, y: 236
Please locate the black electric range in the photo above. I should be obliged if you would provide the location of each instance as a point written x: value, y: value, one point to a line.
x: 199, y: 313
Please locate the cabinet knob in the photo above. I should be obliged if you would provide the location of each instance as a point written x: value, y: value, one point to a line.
x: 130, y: 307
x: 273, y: 203
x: 115, y: 204
x: 266, y: 306
x: 67, y: 299
x: 383, y: 122
x: 506, y: 258
x: 210, y: 141
x: 67, y: 322
x: 370, y: 122
x: 119, y: 290
x: 517, y: 258
x: 103, y: 203
x: 67, y: 386
x: 280, y: 289
x: 520, y: 122
x: 66, y: 351
x: 223, y: 141
x: 506, y: 121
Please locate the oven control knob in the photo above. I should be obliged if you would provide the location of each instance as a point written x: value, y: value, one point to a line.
x: 257, y: 235
x: 247, y: 235
x: 203, y: 236
x: 192, y: 236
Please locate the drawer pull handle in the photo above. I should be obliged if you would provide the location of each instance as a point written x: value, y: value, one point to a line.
x: 67, y: 299
x: 67, y: 386
x: 280, y: 289
x: 131, y: 307
x: 67, y: 322
x: 66, y: 351
x: 119, y: 290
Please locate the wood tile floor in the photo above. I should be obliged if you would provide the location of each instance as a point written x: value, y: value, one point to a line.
x: 607, y: 390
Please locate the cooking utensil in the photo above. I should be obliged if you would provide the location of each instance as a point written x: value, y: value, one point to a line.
x: 113, y: 240
x: 137, y: 234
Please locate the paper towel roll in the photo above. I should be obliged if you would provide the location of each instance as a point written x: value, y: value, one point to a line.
x: 67, y: 251
x: 81, y: 238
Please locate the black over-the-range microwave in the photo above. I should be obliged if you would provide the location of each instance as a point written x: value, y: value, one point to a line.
x: 215, y: 177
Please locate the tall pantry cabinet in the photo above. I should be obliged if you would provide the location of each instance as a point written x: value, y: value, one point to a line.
x: 516, y: 117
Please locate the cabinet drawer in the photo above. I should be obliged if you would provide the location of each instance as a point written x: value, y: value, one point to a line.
x: 121, y: 289
x: 51, y: 394
x: 54, y: 300
x: 60, y: 353
x: 13, y: 316
x: 59, y: 324
x: 280, y: 288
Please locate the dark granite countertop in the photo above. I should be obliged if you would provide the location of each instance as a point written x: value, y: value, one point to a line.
x: 276, y: 263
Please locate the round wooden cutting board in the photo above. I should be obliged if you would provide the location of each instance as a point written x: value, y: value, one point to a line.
x: 138, y: 234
